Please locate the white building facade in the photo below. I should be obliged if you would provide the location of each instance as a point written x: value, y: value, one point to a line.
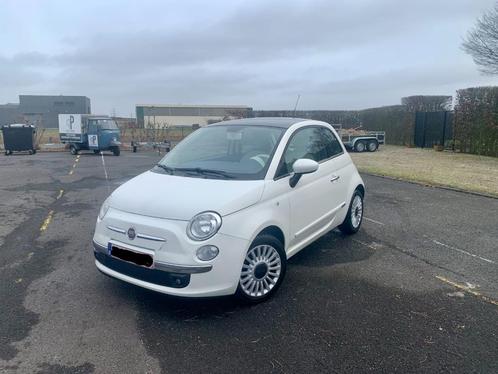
x: 162, y: 116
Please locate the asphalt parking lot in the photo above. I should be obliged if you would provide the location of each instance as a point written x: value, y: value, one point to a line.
x: 416, y: 290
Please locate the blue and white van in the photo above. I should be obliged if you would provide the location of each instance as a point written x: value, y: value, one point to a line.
x: 89, y: 132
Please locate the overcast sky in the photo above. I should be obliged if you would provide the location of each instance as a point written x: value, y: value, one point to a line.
x: 337, y: 54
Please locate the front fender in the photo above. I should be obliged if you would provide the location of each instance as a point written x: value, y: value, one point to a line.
x: 249, y: 222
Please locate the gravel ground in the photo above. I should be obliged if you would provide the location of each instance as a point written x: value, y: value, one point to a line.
x: 414, y: 291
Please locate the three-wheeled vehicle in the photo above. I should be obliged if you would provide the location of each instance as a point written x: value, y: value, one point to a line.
x: 89, y: 132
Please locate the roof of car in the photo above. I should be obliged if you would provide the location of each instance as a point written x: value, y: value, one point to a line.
x: 283, y: 122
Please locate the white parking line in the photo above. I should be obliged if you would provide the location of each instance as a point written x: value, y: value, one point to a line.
x: 374, y: 221
x: 365, y: 244
x: 463, y: 251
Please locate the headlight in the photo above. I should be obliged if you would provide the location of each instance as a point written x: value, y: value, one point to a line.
x: 103, y: 209
x: 203, y: 226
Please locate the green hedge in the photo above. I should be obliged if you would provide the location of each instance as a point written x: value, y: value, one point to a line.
x: 394, y: 120
x: 476, y: 121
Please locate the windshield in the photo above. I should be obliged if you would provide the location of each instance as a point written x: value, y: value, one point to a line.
x: 105, y: 124
x: 229, y: 152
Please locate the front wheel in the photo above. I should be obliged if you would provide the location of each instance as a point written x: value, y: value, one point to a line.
x: 116, y: 151
x: 263, y: 269
x: 354, y: 217
x: 360, y: 146
x: 73, y: 150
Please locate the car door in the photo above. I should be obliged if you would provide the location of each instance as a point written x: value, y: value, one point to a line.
x: 338, y: 165
x: 93, y: 135
x: 318, y: 196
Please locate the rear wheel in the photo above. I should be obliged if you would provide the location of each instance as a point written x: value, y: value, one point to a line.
x: 354, y: 217
x: 360, y: 146
x: 116, y: 151
x: 8, y: 152
x: 73, y: 150
x: 96, y: 151
x: 263, y: 269
x: 372, y: 146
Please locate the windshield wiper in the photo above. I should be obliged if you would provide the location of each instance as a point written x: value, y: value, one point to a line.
x: 206, y: 172
x: 166, y: 168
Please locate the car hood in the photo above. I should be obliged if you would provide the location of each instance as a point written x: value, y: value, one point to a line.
x: 178, y: 197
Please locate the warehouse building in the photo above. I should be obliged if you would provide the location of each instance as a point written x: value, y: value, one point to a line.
x: 9, y: 113
x: 160, y: 116
x: 43, y: 110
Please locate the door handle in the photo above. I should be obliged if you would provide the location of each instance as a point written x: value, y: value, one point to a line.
x: 335, y: 178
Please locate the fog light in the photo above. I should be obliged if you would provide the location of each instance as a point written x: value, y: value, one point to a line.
x: 207, y: 252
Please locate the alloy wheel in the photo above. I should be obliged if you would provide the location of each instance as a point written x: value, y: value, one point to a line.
x: 356, y: 211
x: 261, y: 270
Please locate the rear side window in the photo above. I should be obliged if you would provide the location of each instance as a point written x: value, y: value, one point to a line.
x: 332, y: 145
x: 314, y: 143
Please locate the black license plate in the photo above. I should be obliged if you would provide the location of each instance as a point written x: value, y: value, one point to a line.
x: 140, y: 259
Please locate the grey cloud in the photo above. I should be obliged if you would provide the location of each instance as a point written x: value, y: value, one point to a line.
x: 338, y: 54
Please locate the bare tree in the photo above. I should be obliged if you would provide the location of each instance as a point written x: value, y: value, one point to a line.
x: 482, y: 42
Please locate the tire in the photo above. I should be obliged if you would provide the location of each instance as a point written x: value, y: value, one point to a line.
x: 116, y: 151
x: 265, y: 257
x: 30, y: 152
x: 354, y: 217
x: 34, y: 151
x: 8, y: 153
x: 96, y: 151
x: 360, y: 146
x: 73, y: 150
x: 372, y: 146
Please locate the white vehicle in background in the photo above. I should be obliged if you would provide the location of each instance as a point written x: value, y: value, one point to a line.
x: 223, y: 212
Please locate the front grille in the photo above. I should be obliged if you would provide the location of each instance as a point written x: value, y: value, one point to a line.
x: 154, y: 276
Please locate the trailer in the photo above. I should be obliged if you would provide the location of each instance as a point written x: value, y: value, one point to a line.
x: 359, y: 140
x: 89, y: 132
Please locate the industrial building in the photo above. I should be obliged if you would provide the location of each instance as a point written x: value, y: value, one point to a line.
x: 160, y: 116
x: 43, y: 110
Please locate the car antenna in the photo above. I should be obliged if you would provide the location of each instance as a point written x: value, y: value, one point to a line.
x: 295, y: 106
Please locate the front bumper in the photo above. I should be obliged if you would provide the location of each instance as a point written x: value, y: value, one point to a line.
x: 176, y: 270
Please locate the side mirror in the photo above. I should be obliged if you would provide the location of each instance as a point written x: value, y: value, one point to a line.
x: 300, y: 167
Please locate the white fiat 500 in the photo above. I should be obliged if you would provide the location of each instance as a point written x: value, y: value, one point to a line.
x: 223, y: 211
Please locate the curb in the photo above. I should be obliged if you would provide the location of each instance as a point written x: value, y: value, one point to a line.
x: 425, y: 184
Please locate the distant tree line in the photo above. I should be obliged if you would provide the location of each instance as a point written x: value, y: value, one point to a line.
x: 475, y: 120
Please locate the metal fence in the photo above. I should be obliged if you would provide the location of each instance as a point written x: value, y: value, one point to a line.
x: 433, y: 128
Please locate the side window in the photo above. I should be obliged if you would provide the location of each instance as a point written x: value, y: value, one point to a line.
x: 332, y: 145
x: 308, y: 142
x: 92, y: 127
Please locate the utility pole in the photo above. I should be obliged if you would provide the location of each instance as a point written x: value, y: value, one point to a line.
x: 297, y: 102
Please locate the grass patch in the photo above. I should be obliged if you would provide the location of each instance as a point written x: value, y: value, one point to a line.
x: 457, y: 170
